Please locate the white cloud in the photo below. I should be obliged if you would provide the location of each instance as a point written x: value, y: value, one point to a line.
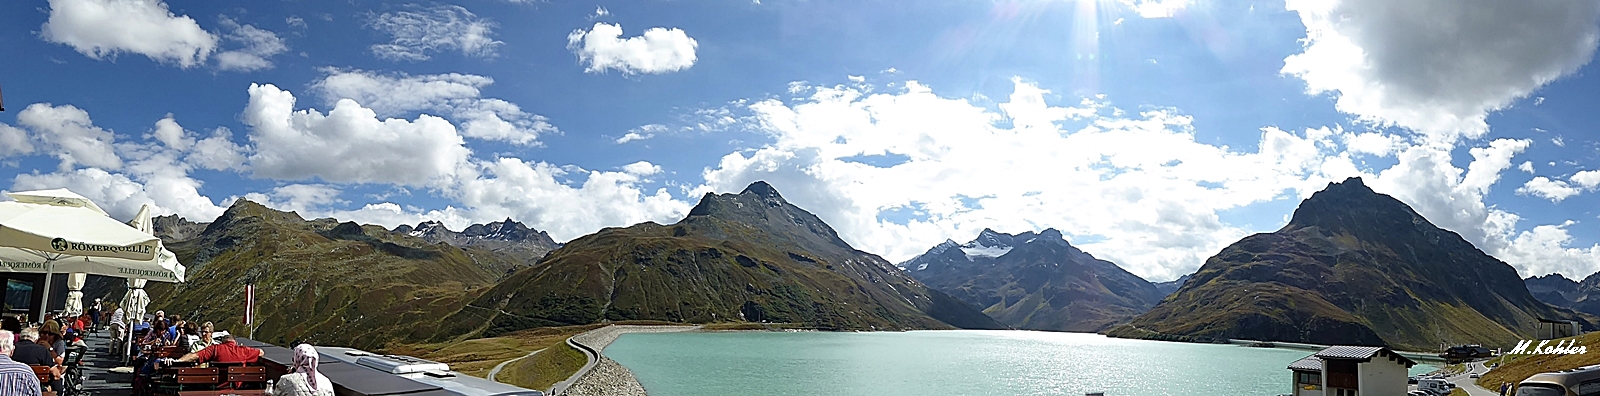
x: 658, y: 50
x: 533, y: 193
x: 1137, y: 189
x: 1547, y: 248
x: 69, y: 132
x: 295, y: 22
x: 419, y: 31
x: 1553, y: 190
x: 153, y: 174
x: 1527, y: 166
x: 643, y: 132
x: 1558, y: 141
x: 1438, y: 66
x: 218, y: 152
x: 349, y: 144
x: 599, y: 12
x: 14, y: 141
x: 641, y: 169
x: 456, y: 95
x: 103, y: 28
x: 1156, y: 8
x: 1588, y: 179
x: 306, y: 199
x: 258, y: 45
x: 1373, y: 143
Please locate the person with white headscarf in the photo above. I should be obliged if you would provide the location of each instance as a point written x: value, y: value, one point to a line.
x: 303, y: 379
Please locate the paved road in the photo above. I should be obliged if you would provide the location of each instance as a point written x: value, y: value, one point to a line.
x: 1465, y: 380
x: 497, y: 367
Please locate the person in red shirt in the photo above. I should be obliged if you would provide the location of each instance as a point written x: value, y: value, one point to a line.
x: 229, y: 351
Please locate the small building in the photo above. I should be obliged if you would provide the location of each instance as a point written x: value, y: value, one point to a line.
x: 1462, y: 353
x: 1351, y: 371
x: 1550, y: 329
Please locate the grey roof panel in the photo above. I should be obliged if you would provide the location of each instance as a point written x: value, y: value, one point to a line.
x: 1310, y: 363
x: 1348, y: 352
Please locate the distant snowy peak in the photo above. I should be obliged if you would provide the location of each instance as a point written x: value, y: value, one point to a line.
x: 507, y: 230
x: 428, y: 228
x: 942, y: 247
x: 990, y: 238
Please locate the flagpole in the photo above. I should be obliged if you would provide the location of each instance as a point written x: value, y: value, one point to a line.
x: 249, y: 309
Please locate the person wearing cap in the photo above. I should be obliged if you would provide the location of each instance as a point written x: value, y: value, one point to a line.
x: 94, y: 316
x: 16, y: 378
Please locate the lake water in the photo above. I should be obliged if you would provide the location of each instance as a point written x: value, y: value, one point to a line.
x: 947, y: 363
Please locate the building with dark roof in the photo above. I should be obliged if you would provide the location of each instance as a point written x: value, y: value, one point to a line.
x: 1351, y: 371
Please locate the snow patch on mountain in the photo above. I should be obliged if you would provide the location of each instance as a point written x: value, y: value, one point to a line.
x: 985, y: 251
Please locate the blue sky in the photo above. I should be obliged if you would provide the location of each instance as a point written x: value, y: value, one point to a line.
x: 1152, y: 133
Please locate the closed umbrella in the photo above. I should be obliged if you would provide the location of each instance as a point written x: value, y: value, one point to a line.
x: 75, y: 294
x: 58, y: 231
x: 133, y: 304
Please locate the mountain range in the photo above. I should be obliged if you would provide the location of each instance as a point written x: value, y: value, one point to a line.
x: 1555, y: 289
x: 750, y: 256
x: 1035, y: 281
x: 509, y: 237
x: 324, y: 281
x: 1352, y: 267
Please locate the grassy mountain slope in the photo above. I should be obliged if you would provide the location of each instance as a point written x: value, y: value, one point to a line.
x: 321, y: 281
x: 1351, y: 267
x: 737, y: 257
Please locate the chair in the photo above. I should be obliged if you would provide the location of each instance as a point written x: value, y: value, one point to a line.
x: 247, y: 377
x: 44, y: 378
x: 183, y: 381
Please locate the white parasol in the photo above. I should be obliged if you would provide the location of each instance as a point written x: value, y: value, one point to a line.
x: 58, y: 231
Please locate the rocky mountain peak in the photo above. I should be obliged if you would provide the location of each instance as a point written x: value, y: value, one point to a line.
x: 762, y: 189
x: 1051, y: 234
x: 761, y: 207
x: 1351, y: 207
x: 171, y: 228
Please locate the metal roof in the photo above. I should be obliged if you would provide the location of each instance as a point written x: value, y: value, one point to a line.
x: 1362, y: 353
x: 1348, y: 352
x: 1309, y: 363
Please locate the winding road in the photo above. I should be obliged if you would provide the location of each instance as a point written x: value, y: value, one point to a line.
x: 497, y: 367
x: 1467, y: 383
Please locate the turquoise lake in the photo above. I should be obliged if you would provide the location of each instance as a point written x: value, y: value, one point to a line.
x: 947, y: 363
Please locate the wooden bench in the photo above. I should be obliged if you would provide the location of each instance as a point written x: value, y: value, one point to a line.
x: 247, y: 377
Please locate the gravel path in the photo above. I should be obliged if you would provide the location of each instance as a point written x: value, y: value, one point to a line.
x: 607, y: 377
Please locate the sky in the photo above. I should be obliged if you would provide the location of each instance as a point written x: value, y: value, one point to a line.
x: 1152, y: 133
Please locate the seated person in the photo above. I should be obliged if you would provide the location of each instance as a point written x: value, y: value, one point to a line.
x: 190, y: 340
x: 303, y: 379
x: 17, y: 376
x: 82, y: 323
x: 155, y: 336
x: 53, y: 339
x: 32, y: 353
x: 207, y: 334
x: 229, y: 351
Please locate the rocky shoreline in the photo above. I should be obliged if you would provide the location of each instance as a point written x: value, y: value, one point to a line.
x: 607, y: 377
